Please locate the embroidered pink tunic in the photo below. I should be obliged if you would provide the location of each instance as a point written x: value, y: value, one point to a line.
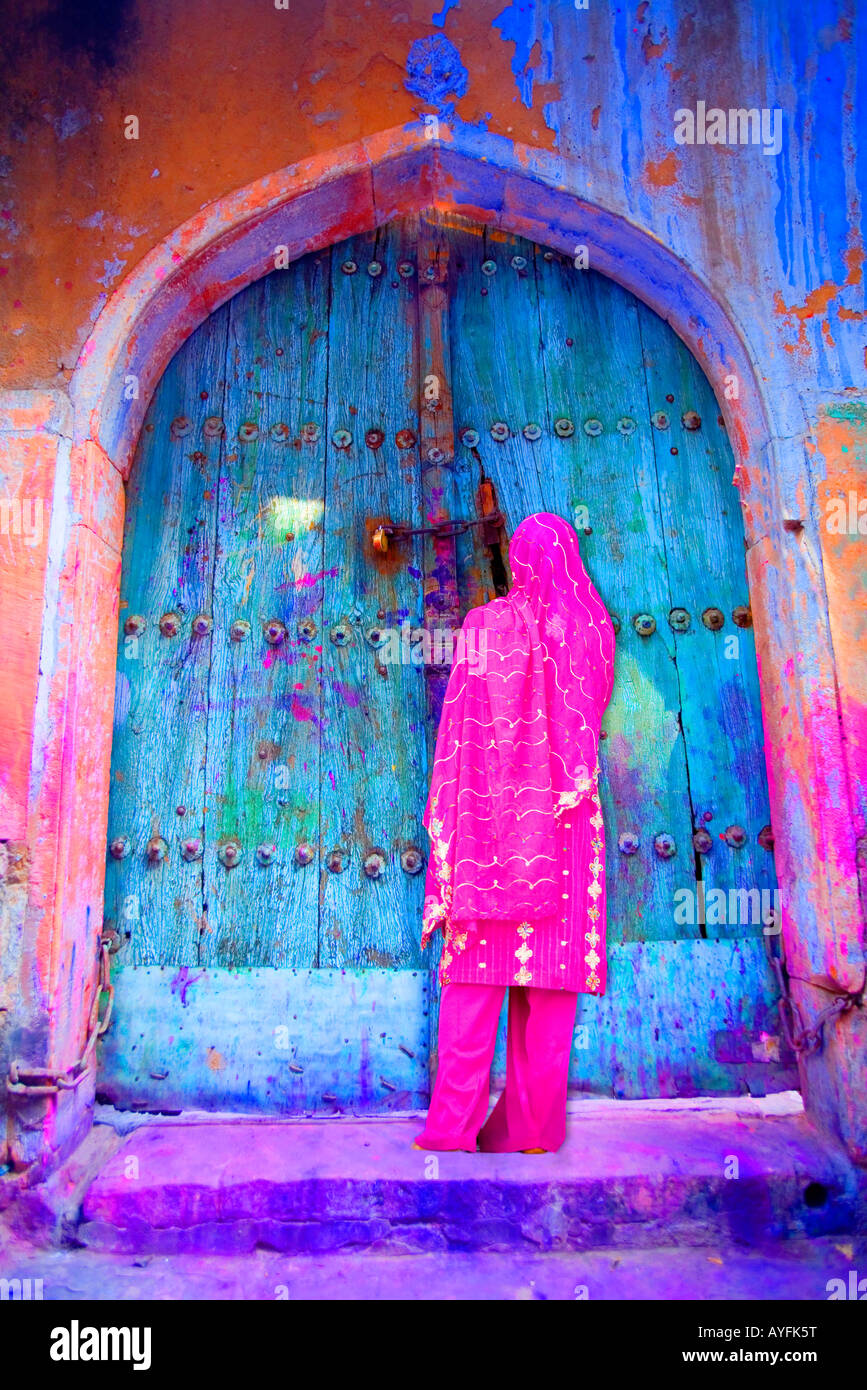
x: 516, y: 875
x: 565, y: 952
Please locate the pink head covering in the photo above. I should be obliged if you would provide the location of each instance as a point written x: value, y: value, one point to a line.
x: 519, y: 735
x: 577, y: 638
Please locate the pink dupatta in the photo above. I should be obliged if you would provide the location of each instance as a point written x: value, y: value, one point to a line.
x: 519, y: 735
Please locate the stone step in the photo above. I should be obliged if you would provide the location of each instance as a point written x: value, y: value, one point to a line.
x: 630, y: 1175
x: 782, y: 1271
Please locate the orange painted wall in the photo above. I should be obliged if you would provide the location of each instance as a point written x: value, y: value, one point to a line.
x: 227, y: 90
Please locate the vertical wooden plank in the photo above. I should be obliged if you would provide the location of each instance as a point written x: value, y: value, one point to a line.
x: 498, y: 380
x: 161, y: 701
x: 373, y: 778
x: 442, y: 613
x: 545, y: 344
x: 720, y: 709
x: 442, y: 586
x: 592, y: 356
x: 265, y: 695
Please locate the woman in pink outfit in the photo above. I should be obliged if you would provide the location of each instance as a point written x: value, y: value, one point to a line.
x: 516, y: 875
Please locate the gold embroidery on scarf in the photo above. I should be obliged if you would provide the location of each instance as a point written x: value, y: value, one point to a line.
x: 584, y: 786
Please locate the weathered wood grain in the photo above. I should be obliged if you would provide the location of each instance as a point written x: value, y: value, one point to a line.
x: 373, y: 780
x: 498, y: 379
x: 284, y: 1042
x: 265, y: 699
x: 161, y: 704
x: 322, y: 742
x: 442, y: 598
x: 700, y: 1018
x: 593, y: 369
x: 719, y: 688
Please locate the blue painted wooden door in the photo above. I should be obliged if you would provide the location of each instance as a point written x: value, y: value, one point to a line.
x: 265, y: 862
x: 573, y: 397
x: 269, y: 768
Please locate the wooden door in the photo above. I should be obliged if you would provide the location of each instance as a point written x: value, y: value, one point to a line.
x: 265, y: 868
x: 573, y: 397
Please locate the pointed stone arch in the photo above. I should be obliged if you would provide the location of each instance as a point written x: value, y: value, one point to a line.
x: 232, y: 242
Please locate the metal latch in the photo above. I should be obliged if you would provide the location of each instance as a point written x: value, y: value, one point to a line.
x: 443, y: 529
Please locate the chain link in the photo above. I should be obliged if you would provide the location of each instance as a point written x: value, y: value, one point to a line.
x: 443, y: 530
x: 24, y: 1080
x: 800, y: 1038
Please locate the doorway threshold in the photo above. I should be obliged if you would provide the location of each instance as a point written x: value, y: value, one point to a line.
x: 631, y: 1174
x: 777, y: 1103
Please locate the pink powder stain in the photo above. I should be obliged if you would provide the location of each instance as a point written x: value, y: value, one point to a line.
x: 284, y: 652
x: 350, y: 697
x: 306, y: 581
x: 182, y: 982
x: 332, y: 781
x: 301, y: 711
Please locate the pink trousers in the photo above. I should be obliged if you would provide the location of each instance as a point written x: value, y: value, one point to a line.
x: 531, y: 1112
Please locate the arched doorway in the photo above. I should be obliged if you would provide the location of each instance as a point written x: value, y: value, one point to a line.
x: 269, y: 770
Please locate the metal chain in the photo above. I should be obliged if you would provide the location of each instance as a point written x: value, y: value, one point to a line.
x: 800, y: 1038
x: 444, y: 529
x: 24, y: 1080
